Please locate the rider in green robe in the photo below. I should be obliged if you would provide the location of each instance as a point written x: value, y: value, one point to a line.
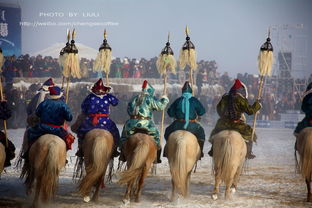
x: 231, y: 110
x: 140, y: 110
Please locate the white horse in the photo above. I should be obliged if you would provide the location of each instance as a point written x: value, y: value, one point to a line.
x: 229, y: 152
x: 183, y: 153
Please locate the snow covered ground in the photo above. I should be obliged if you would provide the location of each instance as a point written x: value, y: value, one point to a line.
x: 268, y: 181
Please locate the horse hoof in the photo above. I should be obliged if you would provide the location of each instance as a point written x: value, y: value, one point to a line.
x: 126, y: 201
x: 86, y: 199
x: 214, y: 196
x: 233, y: 190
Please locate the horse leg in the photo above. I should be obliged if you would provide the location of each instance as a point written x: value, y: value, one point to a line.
x: 236, y: 179
x: 217, y: 185
x: 309, y: 195
x: 187, y: 184
x: 140, y: 183
x: 37, y: 193
x: 126, y: 199
x: 95, y: 196
x: 228, y: 194
x: 173, y: 193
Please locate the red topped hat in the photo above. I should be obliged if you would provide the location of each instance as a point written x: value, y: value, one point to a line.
x: 99, y: 88
x: 237, y: 85
x: 144, y: 85
x: 47, y: 84
x: 55, y: 92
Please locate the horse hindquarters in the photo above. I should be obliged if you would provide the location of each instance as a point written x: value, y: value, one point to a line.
x: 183, y: 150
x: 47, y: 172
x: 141, y: 149
x: 97, y: 156
x: 306, y: 159
x: 2, y: 157
x: 228, y: 159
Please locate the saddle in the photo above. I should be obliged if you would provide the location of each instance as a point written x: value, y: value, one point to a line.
x: 140, y: 130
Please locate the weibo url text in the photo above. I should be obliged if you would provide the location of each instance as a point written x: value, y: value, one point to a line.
x: 67, y: 24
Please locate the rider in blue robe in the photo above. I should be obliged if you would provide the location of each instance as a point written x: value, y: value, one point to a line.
x: 53, y: 113
x: 95, y: 107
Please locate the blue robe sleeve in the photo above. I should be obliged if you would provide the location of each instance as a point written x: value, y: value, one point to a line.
x: 112, y: 100
x: 199, y: 108
x: 67, y: 113
x: 39, y: 109
x: 85, y: 106
x: 172, y: 109
x: 5, y: 112
x: 306, y: 106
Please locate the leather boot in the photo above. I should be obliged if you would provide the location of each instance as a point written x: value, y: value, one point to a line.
x: 115, y: 152
x: 158, y: 160
x: 210, y: 153
x: 165, y: 154
x: 201, y: 145
x: 122, y: 157
x: 249, y: 154
x: 79, y: 152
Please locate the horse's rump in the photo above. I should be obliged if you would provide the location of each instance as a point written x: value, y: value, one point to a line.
x: 46, y: 158
x: 97, y: 148
x: 229, y: 151
x: 304, y: 146
x: 2, y: 157
x: 140, y: 151
x: 183, y: 152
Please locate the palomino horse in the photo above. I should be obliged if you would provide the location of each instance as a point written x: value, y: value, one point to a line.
x: 183, y: 152
x: 97, y: 149
x: 140, y: 150
x: 304, y: 148
x: 46, y: 158
x: 2, y: 157
x: 229, y: 152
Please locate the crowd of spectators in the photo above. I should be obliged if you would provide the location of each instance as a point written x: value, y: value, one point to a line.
x: 279, y: 96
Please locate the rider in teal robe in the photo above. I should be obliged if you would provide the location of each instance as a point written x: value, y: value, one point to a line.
x: 140, y: 110
x: 306, y: 107
x: 185, y: 110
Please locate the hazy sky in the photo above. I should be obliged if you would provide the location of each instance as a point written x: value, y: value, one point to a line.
x: 228, y: 31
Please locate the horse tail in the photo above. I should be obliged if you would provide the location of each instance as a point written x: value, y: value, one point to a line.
x: 48, y: 173
x: 224, y: 157
x: 99, y: 157
x: 138, y: 163
x: 178, y: 165
x: 306, y: 157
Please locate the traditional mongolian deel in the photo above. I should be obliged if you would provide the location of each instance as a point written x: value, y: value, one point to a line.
x: 96, y: 109
x: 140, y: 110
x: 306, y: 107
x: 6, y: 113
x: 231, y: 109
x: 39, y: 97
x: 185, y: 110
x: 53, y: 113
